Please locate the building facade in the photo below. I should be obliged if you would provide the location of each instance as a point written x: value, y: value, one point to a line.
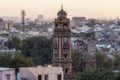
x: 41, y: 73
x: 62, y: 44
x: 7, y: 73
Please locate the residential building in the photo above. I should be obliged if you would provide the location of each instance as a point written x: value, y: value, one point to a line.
x: 41, y: 73
x: 8, y: 25
x: 7, y: 73
x: 40, y: 18
x: 1, y: 24
x: 89, y: 64
x: 78, y: 21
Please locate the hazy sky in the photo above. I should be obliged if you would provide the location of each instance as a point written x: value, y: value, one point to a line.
x: 49, y: 8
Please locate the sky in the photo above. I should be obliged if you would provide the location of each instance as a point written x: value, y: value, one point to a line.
x: 49, y: 8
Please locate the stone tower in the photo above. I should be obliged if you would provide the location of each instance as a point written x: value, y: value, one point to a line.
x: 23, y: 19
x: 62, y: 44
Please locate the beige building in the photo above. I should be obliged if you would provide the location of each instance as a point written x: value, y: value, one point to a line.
x: 41, y: 73
x: 8, y: 25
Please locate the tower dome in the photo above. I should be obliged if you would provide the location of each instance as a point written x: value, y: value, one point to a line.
x: 62, y: 13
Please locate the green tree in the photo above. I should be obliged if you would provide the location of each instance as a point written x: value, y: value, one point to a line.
x: 5, y: 59
x: 15, y: 61
x: 39, y: 48
x: 103, y: 61
x: 14, y: 42
x: 20, y: 60
x: 99, y: 74
x: 91, y: 23
x: 117, y: 61
x: 77, y: 61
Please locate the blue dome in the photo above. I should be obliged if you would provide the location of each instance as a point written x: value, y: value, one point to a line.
x: 62, y: 13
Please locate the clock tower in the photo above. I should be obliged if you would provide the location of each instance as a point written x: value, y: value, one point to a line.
x: 62, y: 44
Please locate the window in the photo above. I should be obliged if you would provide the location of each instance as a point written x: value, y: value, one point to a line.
x: 59, y: 77
x: 46, y: 77
x: 39, y: 77
x: 65, y: 39
x: 56, y: 40
x: 66, y: 71
x: 65, y: 56
x: 8, y: 77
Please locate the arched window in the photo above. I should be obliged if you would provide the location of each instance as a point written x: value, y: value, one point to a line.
x: 56, y: 40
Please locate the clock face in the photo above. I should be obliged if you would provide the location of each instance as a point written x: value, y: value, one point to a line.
x: 65, y: 39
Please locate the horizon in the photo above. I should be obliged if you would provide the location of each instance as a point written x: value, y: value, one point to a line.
x: 49, y: 8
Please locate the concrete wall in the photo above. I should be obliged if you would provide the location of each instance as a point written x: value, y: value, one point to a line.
x: 25, y: 73
x: 4, y: 73
x: 33, y: 72
x: 0, y: 75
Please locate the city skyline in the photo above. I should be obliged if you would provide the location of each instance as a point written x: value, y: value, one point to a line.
x: 49, y: 8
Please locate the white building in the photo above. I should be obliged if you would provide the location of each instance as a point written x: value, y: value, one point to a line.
x: 40, y: 18
x: 7, y: 73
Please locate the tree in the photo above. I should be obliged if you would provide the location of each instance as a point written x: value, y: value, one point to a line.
x: 14, y: 42
x: 15, y: 61
x: 5, y: 59
x: 99, y: 74
x: 91, y: 23
x: 103, y: 61
x: 117, y: 61
x: 20, y: 60
x: 39, y: 48
x: 77, y: 61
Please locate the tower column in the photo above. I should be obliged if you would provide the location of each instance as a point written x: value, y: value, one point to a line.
x: 59, y: 43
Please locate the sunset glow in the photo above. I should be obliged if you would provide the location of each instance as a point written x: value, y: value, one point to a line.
x: 49, y: 8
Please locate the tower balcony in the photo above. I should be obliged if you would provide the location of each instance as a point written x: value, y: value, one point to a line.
x: 65, y: 60
x: 62, y: 29
x: 65, y: 52
x: 66, y: 46
x: 62, y: 32
x: 65, y: 20
x: 66, y: 34
x: 62, y: 60
x: 57, y: 34
x: 58, y: 29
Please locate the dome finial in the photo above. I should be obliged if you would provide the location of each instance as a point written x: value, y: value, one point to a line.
x: 62, y: 13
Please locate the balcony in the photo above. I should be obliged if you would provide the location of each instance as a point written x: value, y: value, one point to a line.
x: 65, y: 60
x: 62, y: 21
x: 62, y: 60
x: 62, y: 32
x: 65, y: 51
x: 66, y: 45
